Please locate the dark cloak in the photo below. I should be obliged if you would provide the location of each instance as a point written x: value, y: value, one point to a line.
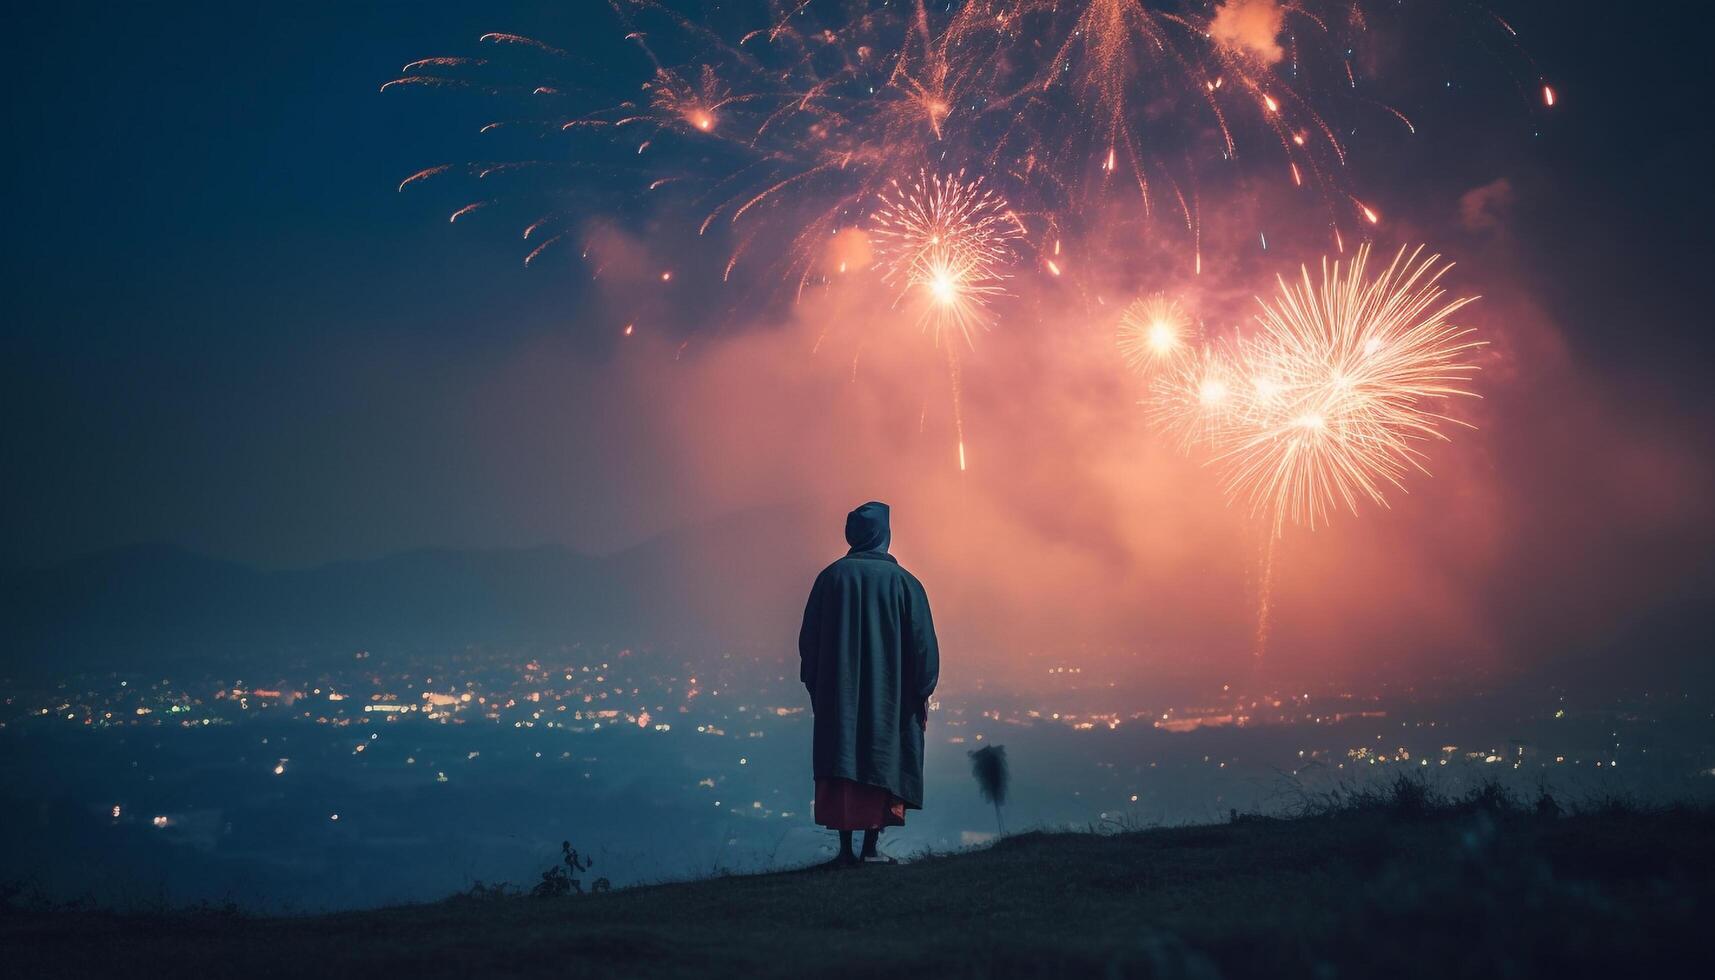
x: 870, y: 662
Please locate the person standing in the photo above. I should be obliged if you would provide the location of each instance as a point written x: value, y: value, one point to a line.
x: 870, y: 662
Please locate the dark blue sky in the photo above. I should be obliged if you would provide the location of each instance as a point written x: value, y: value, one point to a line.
x: 222, y: 315
x: 225, y: 329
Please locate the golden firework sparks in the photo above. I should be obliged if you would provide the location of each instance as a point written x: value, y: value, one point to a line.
x: 1344, y: 385
x: 946, y: 243
x: 1198, y: 395
x: 1152, y: 332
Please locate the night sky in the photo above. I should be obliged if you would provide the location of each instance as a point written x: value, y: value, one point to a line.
x: 227, y: 330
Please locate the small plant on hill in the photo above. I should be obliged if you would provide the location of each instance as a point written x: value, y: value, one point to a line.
x: 483, y: 891
x: 1410, y: 796
x: 1610, y: 804
x: 988, y: 765
x: 560, y: 879
x: 1547, y: 808
x: 1490, y: 797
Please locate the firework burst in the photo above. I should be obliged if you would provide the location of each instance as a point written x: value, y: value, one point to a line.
x: 946, y: 242
x: 1343, y: 387
x: 1154, y: 332
x: 1197, y: 396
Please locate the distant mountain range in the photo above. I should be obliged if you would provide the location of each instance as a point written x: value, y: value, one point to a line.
x: 736, y: 580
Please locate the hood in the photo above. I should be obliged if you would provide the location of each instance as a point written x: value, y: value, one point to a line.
x: 867, y: 528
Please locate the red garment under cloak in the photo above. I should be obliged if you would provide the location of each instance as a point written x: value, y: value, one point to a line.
x: 844, y: 805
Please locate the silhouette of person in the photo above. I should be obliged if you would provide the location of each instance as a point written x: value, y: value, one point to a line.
x: 870, y: 662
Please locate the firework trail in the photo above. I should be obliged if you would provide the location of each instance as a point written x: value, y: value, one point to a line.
x: 955, y: 385
x: 1265, y: 596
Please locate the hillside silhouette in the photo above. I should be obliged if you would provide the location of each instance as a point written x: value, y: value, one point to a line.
x: 1400, y: 886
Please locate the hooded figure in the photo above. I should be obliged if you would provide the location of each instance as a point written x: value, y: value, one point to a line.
x: 870, y: 662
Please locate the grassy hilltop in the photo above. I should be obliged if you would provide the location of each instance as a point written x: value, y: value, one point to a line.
x: 1398, y: 886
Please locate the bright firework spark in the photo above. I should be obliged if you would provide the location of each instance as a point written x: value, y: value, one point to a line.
x: 1198, y: 396
x: 696, y: 106
x: 1153, y: 332
x: 1346, y: 379
x: 946, y: 243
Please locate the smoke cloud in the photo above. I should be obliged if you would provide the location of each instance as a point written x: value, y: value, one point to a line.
x: 1250, y: 26
x: 1077, y: 531
x: 1486, y: 208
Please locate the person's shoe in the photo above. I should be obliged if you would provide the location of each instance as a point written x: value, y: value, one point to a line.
x: 845, y: 860
x: 878, y: 859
